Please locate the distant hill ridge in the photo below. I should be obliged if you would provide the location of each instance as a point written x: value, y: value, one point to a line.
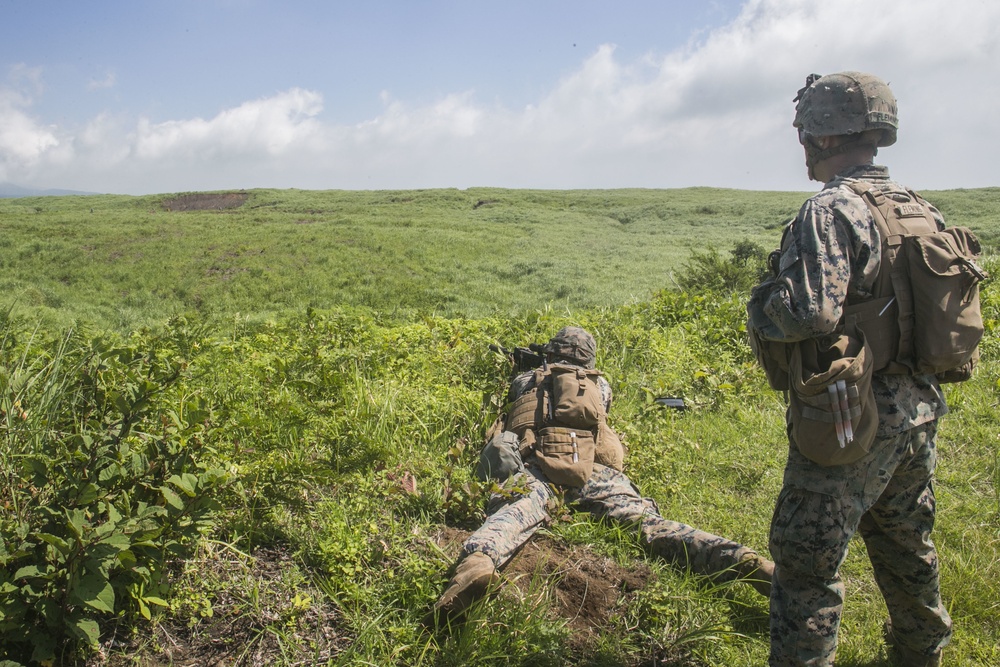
x: 9, y: 190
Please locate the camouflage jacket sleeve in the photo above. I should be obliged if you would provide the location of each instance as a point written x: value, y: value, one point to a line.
x: 830, y: 251
x: 605, y: 388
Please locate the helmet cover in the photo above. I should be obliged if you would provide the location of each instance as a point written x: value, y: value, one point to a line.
x: 574, y: 344
x: 846, y: 103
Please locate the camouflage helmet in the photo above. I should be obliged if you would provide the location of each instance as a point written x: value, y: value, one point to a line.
x: 846, y: 103
x: 573, y: 344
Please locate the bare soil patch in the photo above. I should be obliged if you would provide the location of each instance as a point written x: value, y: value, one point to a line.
x: 206, y: 201
x: 586, y: 588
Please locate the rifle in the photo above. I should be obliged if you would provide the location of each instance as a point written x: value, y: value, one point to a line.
x: 523, y: 358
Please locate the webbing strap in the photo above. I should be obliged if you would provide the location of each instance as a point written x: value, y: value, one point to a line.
x: 824, y: 398
x: 817, y: 415
x: 889, y: 214
x: 894, y: 220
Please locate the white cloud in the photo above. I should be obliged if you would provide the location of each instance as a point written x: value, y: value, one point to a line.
x: 24, y: 141
x: 263, y: 127
x: 715, y: 112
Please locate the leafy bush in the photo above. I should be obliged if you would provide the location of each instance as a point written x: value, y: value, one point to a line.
x: 104, y: 482
x: 708, y: 271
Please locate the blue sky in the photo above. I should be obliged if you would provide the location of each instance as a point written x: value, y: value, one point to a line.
x: 181, y: 95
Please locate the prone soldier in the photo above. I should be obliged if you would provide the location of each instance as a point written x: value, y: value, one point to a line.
x: 555, y: 438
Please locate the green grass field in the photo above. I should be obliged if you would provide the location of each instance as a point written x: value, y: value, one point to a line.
x: 249, y: 435
x: 454, y: 253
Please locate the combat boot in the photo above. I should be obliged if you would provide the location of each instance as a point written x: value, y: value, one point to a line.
x: 907, y: 657
x: 756, y: 571
x: 472, y: 579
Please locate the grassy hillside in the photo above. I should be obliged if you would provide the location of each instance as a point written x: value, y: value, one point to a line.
x: 122, y: 262
x: 125, y: 261
x: 289, y: 485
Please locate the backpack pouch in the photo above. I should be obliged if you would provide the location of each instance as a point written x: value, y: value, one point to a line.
x: 962, y: 373
x: 772, y: 356
x: 576, y: 397
x: 609, y: 449
x: 565, y: 455
x: 945, y: 279
x: 832, y: 417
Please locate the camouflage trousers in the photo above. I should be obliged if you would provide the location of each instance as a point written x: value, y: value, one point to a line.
x: 888, y: 497
x: 514, y: 518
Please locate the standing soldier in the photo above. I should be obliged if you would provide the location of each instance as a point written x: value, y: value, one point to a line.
x: 878, y: 479
x: 555, y: 430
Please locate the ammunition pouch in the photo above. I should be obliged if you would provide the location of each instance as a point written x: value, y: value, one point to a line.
x: 565, y: 455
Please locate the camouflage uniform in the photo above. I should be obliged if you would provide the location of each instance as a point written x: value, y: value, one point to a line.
x: 608, y: 493
x: 832, y: 255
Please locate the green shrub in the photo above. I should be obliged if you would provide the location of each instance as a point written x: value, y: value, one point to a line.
x: 708, y: 271
x: 104, y: 481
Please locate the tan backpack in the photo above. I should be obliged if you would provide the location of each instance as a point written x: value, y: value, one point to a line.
x: 924, y: 316
x: 563, y: 420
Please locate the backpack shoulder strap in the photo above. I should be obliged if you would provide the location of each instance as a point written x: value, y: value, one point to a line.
x: 877, y: 204
x: 896, y: 218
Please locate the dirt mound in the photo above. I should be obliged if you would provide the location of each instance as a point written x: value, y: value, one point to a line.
x: 586, y: 588
x: 206, y: 201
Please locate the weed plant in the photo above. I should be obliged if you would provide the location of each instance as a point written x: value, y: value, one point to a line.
x: 107, y: 480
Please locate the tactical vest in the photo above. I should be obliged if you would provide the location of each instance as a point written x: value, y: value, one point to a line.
x: 563, y: 422
x: 923, y: 316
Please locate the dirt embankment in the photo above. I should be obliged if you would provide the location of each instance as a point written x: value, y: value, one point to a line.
x: 210, y: 201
